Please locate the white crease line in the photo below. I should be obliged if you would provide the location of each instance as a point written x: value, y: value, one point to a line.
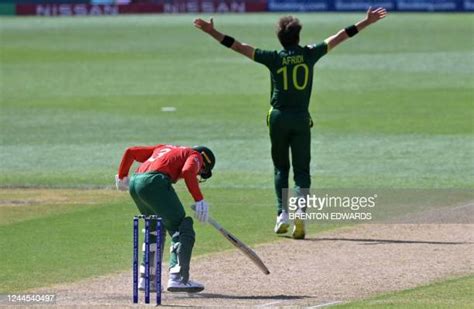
x: 325, y: 305
x: 270, y: 303
x: 470, y: 204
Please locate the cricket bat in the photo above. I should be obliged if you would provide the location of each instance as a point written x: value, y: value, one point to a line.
x: 239, y: 245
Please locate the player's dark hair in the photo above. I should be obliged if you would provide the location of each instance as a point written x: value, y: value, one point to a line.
x: 288, y: 31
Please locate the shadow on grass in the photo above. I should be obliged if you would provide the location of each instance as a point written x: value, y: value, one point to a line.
x: 390, y: 241
x: 249, y: 297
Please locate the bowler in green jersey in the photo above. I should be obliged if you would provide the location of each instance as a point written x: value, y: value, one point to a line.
x: 289, y: 122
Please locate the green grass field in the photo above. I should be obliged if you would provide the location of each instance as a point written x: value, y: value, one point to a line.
x: 455, y: 293
x: 77, y: 91
x: 393, y: 109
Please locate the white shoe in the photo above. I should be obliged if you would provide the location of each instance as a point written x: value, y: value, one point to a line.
x: 141, y: 285
x: 188, y: 287
x: 299, y: 231
x: 282, y: 223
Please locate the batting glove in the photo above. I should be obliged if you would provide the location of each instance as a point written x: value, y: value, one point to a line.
x: 202, y: 211
x: 121, y: 184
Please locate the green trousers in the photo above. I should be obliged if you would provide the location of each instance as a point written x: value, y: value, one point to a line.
x: 154, y: 195
x: 290, y: 131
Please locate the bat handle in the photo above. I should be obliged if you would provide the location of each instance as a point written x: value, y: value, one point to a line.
x: 214, y: 223
x: 210, y: 220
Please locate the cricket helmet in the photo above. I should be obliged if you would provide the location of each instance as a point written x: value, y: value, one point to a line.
x: 209, y: 161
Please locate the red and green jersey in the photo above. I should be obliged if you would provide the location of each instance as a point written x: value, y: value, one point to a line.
x: 291, y: 73
x: 174, y: 161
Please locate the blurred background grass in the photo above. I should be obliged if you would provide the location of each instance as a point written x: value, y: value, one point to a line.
x: 393, y: 106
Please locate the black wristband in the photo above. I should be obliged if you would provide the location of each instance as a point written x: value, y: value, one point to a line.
x: 351, y: 30
x: 227, y: 41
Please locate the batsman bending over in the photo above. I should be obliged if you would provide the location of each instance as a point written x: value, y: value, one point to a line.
x: 151, y: 189
x: 291, y: 71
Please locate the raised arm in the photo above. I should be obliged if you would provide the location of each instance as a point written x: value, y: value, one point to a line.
x: 208, y: 27
x: 372, y: 17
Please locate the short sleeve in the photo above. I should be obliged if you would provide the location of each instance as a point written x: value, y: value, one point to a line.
x: 316, y: 51
x: 265, y: 57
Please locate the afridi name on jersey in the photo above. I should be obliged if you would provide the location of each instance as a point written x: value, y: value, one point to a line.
x: 291, y: 72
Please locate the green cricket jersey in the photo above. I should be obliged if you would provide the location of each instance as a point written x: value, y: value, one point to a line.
x: 291, y: 74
